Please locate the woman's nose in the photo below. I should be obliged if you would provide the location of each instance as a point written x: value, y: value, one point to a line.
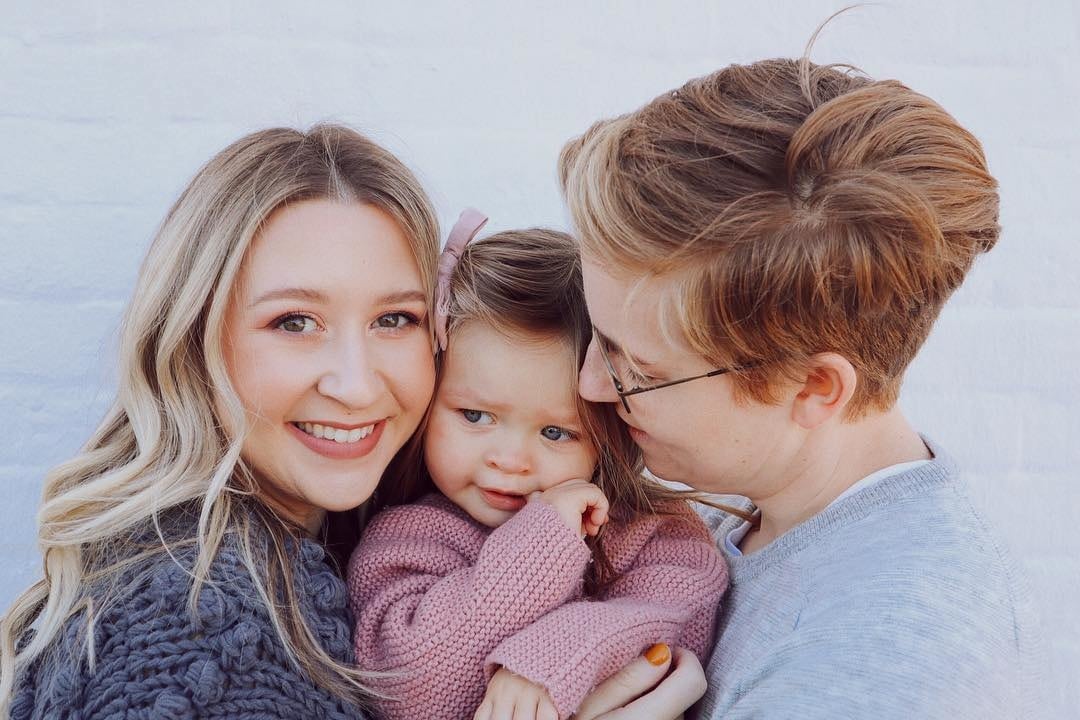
x: 351, y: 375
x: 594, y: 381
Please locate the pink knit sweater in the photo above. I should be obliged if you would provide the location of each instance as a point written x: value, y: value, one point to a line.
x: 441, y: 602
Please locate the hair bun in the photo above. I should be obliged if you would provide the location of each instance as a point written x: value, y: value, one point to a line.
x: 906, y: 180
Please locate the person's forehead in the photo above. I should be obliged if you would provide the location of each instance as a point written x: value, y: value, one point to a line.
x: 625, y: 309
x: 320, y: 243
x: 538, y: 374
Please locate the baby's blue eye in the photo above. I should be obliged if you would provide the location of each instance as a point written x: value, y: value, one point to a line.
x: 556, y: 433
x: 297, y: 324
x: 477, y: 417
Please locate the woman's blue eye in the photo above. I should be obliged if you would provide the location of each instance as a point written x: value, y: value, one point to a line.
x: 556, y: 433
x: 396, y: 320
x: 477, y: 417
x: 297, y: 324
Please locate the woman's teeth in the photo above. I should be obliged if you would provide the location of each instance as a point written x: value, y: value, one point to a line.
x: 345, y: 437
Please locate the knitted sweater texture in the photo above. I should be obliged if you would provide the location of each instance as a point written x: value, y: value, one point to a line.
x: 895, y: 602
x: 153, y: 660
x: 441, y: 602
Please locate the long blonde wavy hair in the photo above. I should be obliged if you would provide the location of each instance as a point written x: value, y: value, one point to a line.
x: 164, y: 442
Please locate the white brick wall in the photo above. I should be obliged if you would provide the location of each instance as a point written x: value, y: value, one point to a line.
x: 107, y: 108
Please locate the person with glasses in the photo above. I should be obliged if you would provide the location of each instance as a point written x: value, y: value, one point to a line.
x: 765, y: 249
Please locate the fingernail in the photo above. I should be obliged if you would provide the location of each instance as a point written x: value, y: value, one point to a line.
x: 658, y: 654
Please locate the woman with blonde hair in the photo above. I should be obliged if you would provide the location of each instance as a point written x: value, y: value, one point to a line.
x: 764, y: 251
x: 275, y: 360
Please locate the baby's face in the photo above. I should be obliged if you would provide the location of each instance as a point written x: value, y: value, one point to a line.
x: 504, y: 422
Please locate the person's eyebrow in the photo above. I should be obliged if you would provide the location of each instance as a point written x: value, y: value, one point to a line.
x: 310, y: 295
x: 468, y: 398
x: 291, y: 293
x: 566, y: 421
x: 613, y: 346
x: 402, y: 296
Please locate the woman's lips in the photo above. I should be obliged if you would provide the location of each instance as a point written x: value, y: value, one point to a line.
x: 503, y: 501
x: 336, y: 450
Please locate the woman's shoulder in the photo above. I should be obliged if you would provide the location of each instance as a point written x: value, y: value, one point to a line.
x: 164, y: 577
x: 932, y: 552
x: 153, y: 651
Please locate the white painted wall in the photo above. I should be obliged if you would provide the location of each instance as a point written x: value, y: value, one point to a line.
x: 107, y: 109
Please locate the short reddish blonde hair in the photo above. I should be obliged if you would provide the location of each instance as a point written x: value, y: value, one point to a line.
x: 797, y: 209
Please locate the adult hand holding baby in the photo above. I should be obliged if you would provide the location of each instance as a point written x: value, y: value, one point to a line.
x: 658, y: 685
x: 581, y: 505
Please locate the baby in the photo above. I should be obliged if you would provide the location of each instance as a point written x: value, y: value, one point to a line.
x: 534, y: 559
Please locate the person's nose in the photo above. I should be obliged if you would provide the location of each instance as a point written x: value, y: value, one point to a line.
x: 594, y: 380
x: 510, y: 456
x: 351, y: 374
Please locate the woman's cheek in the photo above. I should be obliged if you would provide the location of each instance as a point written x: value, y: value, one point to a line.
x: 411, y: 367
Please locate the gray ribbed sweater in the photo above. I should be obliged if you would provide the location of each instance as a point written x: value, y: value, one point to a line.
x: 895, y: 602
x: 155, y: 661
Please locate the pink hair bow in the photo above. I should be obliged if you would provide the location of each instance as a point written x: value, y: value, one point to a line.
x: 461, y: 234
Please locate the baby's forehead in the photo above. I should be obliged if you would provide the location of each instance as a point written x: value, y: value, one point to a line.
x: 507, y: 372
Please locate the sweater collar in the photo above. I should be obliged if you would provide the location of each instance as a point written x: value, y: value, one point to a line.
x: 939, y: 472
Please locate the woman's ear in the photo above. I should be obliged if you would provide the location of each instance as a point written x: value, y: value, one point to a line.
x: 830, y: 383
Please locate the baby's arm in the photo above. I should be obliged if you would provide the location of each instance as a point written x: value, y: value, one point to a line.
x: 432, y: 597
x: 670, y: 579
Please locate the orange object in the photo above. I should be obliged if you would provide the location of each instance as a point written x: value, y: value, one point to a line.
x: 658, y: 654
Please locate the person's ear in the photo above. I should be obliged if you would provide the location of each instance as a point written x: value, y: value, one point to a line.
x: 828, y: 387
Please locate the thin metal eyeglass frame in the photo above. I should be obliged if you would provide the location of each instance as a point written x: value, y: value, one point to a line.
x: 623, y: 394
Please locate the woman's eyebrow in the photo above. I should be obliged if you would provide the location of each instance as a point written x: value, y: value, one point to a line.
x: 402, y: 296
x: 298, y: 293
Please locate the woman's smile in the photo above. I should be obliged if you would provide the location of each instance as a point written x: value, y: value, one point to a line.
x: 346, y: 434
x: 338, y: 443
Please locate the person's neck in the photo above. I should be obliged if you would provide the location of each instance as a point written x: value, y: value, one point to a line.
x: 830, y: 461
x: 302, y: 515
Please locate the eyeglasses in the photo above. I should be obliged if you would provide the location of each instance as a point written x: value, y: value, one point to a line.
x: 638, y: 389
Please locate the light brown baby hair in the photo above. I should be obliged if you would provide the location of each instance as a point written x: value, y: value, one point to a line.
x: 796, y: 209
x: 527, y: 284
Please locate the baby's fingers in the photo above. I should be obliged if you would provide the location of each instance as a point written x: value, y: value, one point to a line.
x: 593, y: 521
x: 522, y: 708
x: 484, y: 711
x: 546, y: 710
x: 599, y: 514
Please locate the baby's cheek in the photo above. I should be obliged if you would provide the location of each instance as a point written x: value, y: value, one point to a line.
x: 587, y: 462
x: 444, y: 456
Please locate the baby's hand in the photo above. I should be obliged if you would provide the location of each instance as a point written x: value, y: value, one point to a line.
x: 580, y: 504
x: 512, y: 696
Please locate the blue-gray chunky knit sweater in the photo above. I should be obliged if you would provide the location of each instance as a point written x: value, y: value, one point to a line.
x: 154, y: 661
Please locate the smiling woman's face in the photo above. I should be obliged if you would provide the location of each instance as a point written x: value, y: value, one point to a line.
x: 327, y: 347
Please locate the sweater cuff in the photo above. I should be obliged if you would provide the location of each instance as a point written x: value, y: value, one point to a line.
x: 532, y: 563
